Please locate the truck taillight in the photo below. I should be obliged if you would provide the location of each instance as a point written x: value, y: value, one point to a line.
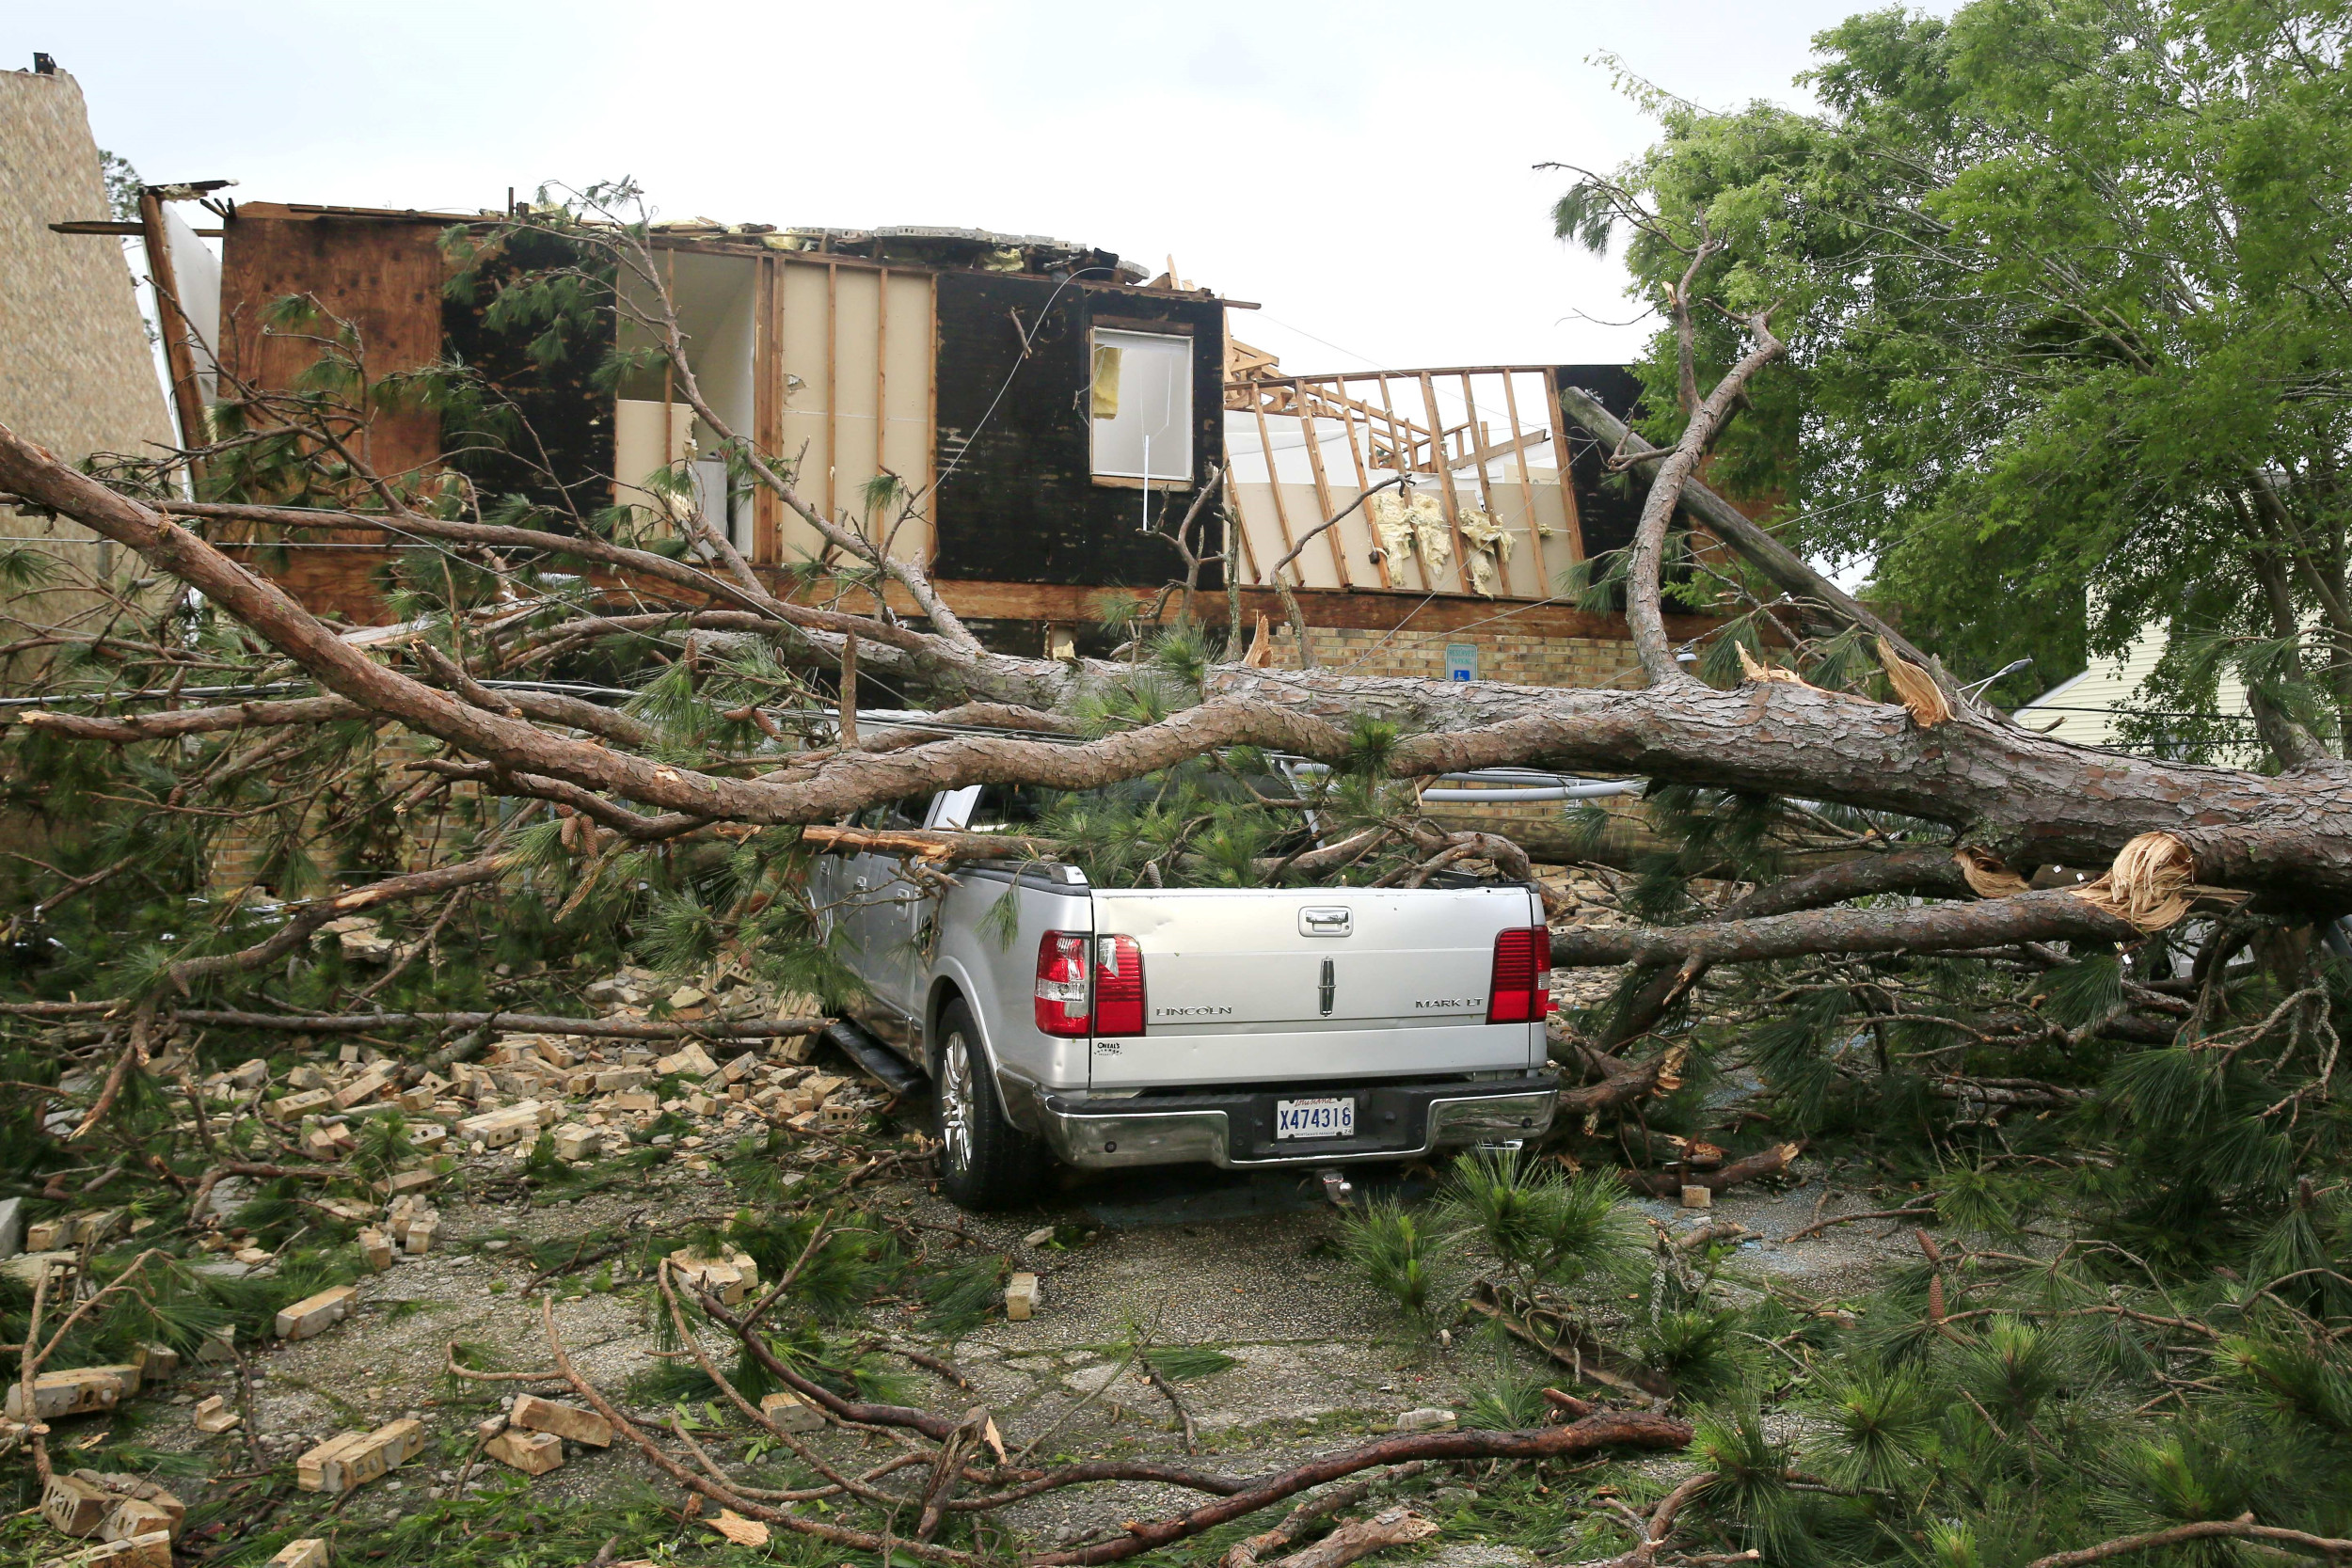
x: 1066, y: 985
x: 1519, y: 991
x: 1061, y: 983
x: 1118, y: 985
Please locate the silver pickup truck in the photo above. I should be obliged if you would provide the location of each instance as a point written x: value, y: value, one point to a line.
x: 1146, y: 1026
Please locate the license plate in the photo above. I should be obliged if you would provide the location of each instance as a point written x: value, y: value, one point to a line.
x: 1315, y: 1119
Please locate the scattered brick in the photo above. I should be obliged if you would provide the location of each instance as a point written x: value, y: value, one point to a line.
x: 74, y: 1507
x: 310, y: 1467
x: 293, y: 1107
x: 496, y: 1129
x: 366, y: 1086
x: 136, y: 1516
x: 791, y: 1413
x: 534, y: 1453
x: 414, y: 1180
x: 77, y: 1392
x: 730, y: 1279
x: 370, y: 1455
x: 315, y: 1315
x: 152, y: 1550
x: 564, y: 1420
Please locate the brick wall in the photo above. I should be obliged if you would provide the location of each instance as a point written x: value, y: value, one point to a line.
x: 1516, y: 659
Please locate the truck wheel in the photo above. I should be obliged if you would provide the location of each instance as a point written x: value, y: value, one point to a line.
x: 985, y: 1161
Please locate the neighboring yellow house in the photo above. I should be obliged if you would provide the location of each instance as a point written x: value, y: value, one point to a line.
x: 77, y: 375
x: 2088, y: 709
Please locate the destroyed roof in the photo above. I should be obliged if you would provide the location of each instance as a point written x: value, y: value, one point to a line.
x: 923, y: 245
x: 910, y: 243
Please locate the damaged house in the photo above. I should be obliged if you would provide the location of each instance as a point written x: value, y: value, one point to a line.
x: 1032, y: 416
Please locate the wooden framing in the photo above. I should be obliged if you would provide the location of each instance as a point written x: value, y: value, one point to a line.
x: 1281, y: 513
x: 1401, y: 458
x: 1527, y: 487
x: 1434, y: 442
x: 1323, y: 494
x: 1445, y: 484
x: 880, y: 530
x: 187, y: 398
x: 1363, y: 482
x: 833, y: 389
x: 766, y: 404
x: 1561, y: 460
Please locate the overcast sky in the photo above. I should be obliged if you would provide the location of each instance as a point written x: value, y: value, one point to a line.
x: 1361, y: 170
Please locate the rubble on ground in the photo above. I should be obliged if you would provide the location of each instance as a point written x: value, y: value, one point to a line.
x: 583, y: 1099
x: 595, y: 1096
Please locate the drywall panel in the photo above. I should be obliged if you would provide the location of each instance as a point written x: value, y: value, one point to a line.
x: 806, y: 428
x: 639, y: 447
x: 910, y: 343
x: 197, y: 272
x: 855, y: 355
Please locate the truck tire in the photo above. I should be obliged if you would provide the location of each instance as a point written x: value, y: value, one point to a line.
x: 985, y: 1161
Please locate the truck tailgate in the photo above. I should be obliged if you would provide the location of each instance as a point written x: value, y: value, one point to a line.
x: 1262, y: 985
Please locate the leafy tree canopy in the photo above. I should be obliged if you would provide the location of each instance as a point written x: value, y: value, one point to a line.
x: 2070, y: 335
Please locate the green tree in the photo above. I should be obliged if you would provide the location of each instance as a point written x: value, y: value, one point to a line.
x: 2069, y: 331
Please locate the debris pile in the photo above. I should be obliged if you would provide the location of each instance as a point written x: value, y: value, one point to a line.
x: 377, y: 1136
x: 595, y: 1097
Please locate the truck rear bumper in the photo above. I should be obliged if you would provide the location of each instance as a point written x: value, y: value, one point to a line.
x: 1236, y: 1128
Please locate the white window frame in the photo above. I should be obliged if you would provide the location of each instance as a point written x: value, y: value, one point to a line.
x: 1167, y: 451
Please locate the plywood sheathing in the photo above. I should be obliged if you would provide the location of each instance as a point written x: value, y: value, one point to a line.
x: 382, y: 275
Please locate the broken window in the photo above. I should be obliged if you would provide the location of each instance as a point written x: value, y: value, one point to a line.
x: 1142, y: 404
